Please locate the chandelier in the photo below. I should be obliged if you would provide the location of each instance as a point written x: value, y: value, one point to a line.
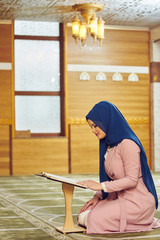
x: 90, y: 23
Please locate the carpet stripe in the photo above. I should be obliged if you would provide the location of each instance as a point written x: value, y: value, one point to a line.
x: 9, y: 217
x: 17, y: 229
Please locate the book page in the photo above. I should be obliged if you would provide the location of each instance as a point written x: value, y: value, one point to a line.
x: 60, y: 179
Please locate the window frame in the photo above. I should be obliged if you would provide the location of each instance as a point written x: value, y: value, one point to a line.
x: 60, y: 93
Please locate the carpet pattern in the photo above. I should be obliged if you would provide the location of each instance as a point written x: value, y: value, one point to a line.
x: 31, y: 207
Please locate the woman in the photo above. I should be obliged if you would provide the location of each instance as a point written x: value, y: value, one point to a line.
x: 126, y: 197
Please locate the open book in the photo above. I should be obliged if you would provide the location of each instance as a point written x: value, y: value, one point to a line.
x: 60, y: 179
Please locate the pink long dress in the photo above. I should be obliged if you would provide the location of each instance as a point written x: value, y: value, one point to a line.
x: 129, y: 207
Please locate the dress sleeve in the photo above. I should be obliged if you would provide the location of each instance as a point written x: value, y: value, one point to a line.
x: 99, y: 194
x: 130, y: 155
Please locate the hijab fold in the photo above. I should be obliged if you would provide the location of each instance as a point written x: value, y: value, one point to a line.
x: 110, y: 120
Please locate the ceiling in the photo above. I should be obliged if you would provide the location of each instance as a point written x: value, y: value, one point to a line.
x: 139, y: 13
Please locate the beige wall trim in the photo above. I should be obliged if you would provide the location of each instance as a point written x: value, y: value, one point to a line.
x: 77, y: 121
x: 107, y: 68
x: 5, y: 21
x: 82, y: 121
x: 5, y: 66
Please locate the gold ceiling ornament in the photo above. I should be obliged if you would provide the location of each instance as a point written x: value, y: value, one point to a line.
x: 90, y: 24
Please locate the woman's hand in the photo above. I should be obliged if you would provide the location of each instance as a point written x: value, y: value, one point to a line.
x: 91, y: 203
x: 92, y: 185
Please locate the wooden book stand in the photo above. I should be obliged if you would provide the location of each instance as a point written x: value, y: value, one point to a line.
x: 68, y: 189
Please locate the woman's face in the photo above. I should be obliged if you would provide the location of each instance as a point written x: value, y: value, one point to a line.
x: 96, y: 130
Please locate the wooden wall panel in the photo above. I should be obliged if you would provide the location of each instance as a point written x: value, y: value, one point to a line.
x: 84, y: 150
x: 132, y: 98
x: 5, y: 42
x: 5, y: 97
x: 128, y: 48
x: 32, y: 156
x: 5, y: 94
x: 4, y: 150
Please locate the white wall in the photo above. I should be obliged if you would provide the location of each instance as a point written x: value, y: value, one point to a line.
x: 155, y: 95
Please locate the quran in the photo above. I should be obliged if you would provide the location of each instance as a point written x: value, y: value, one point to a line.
x: 60, y: 179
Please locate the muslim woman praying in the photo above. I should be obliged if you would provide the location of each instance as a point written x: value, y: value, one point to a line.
x: 126, y: 198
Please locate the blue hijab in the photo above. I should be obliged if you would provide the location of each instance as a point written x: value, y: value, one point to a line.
x: 110, y: 120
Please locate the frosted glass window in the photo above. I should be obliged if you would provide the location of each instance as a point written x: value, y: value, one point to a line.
x: 36, y: 28
x: 39, y: 114
x: 37, y: 65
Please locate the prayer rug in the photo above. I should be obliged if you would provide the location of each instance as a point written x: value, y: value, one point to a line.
x: 31, y: 207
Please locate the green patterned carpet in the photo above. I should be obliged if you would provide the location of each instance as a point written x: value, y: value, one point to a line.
x: 31, y: 207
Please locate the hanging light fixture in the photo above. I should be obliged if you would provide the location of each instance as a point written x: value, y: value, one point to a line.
x: 92, y: 24
x: 83, y: 33
x: 94, y: 27
x: 75, y: 28
x: 100, y: 30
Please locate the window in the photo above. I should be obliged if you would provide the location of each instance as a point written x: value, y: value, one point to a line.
x: 39, y: 78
